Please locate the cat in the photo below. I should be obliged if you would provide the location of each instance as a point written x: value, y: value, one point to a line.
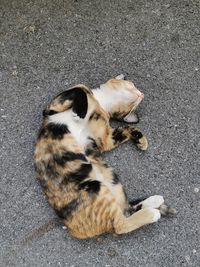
x: 83, y: 190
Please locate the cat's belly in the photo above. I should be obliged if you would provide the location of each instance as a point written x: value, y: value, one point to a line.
x: 107, y: 183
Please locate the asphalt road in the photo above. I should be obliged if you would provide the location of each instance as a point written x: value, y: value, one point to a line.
x: 47, y: 46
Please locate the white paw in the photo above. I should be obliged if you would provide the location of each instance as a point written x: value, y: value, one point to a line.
x: 143, y: 143
x: 153, y: 202
x: 150, y: 215
x: 156, y: 215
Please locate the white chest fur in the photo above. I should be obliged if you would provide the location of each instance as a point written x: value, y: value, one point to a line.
x: 111, y: 98
x: 76, y: 125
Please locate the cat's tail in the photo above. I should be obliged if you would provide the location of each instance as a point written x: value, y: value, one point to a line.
x: 167, y: 210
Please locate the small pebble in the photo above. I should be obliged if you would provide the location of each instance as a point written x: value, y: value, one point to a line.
x: 14, y: 73
x: 111, y: 252
x: 196, y: 190
x: 64, y: 227
x: 30, y: 29
x: 194, y: 251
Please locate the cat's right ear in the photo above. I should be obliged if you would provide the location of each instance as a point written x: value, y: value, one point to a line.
x: 120, y: 77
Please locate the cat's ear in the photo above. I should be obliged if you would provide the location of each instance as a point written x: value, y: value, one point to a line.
x: 132, y: 117
x: 120, y: 77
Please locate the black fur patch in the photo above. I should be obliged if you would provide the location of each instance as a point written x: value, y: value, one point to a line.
x: 92, y: 149
x: 79, y: 100
x: 57, y: 130
x: 50, y: 170
x: 95, y: 116
x: 66, y: 95
x: 80, y: 103
x: 90, y: 186
x: 138, y: 207
x: 78, y: 175
x: 49, y: 112
x: 136, y: 135
x: 61, y: 159
x: 115, y: 179
x: 117, y: 116
x: 136, y: 201
x: 89, y: 152
x: 67, y: 210
x: 54, y: 131
x: 118, y: 135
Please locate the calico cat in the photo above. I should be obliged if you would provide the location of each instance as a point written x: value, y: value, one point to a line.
x: 79, y: 185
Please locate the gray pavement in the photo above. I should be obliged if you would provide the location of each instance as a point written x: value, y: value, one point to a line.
x: 47, y: 46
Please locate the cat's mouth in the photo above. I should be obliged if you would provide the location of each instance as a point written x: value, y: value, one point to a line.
x: 131, y: 117
x: 137, y: 101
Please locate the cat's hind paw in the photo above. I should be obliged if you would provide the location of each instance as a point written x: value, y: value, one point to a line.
x: 153, y: 202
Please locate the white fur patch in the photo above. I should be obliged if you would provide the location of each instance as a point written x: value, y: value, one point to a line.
x: 153, y: 202
x: 75, y: 124
x: 156, y: 215
x: 110, y: 98
x: 99, y: 177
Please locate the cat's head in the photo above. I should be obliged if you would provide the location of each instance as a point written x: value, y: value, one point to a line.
x: 119, y: 98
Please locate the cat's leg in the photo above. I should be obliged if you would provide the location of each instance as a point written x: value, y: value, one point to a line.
x: 150, y: 202
x: 153, y: 202
x: 120, y: 135
x: 123, y: 224
x: 156, y: 201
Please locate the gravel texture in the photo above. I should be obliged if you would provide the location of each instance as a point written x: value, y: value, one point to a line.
x: 47, y: 46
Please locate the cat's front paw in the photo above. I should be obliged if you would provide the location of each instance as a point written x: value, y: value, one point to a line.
x: 143, y: 143
x: 139, y: 139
